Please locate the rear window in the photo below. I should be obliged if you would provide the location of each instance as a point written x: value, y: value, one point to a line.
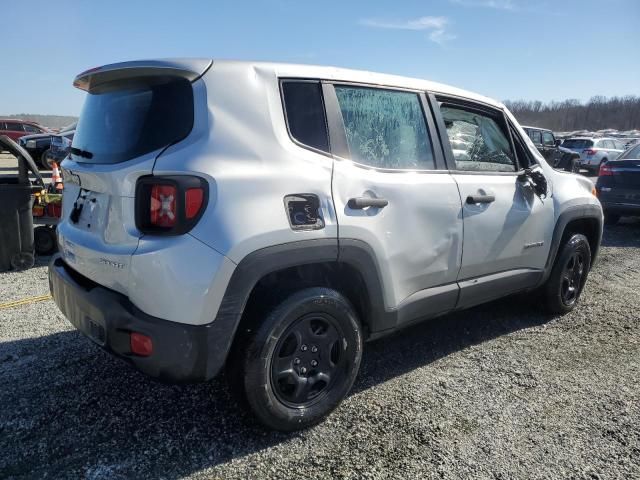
x: 305, y: 113
x: 577, y: 143
x: 122, y: 121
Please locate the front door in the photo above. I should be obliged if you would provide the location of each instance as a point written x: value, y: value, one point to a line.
x: 391, y: 190
x: 507, y: 227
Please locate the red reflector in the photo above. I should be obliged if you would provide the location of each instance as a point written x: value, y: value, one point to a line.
x: 163, y: 205
x: 140, y: 344
x: 193, y: 201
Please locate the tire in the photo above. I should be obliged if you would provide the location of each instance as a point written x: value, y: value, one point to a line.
x: 44, y: 239
x: 568, y: 275
x: 611, y: 218
x: 314, y: 334
x: 43, y: 160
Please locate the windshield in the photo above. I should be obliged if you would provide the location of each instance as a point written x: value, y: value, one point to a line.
x: 577, y: 143
x: 632, y: 153
x: 122, y: 121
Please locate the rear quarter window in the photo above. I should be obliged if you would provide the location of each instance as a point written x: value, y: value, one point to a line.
x: 305, y: 115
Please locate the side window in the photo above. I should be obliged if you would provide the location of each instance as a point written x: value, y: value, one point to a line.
x: 15, y: 127
x: 31, y: 129
x: 385, y: 128
x: 304, y: 111
x: 486, y: 147
x: 535, y: 137
x: 547, y: 139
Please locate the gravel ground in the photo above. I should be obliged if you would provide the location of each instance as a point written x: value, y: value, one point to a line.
x: 499, y: 391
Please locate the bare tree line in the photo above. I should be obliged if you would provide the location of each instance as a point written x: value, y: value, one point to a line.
x: 621, y: 113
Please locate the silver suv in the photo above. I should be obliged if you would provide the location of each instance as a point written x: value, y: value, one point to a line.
x: 594, y: 151
x: 272, y: 218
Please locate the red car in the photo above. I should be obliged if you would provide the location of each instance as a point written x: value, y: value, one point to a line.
x: 14, y: 128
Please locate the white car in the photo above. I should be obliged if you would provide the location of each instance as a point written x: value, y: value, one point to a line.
x: 594, y: 151
x: 275, y: 217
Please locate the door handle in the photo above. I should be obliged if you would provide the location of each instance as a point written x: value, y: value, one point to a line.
x: 358, y: 203
x: 473, y: 199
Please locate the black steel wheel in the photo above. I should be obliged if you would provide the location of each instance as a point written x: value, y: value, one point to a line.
x: 572, y: 277
x: 307, y: 360
x: 568, y: 275
x: 300, y: 361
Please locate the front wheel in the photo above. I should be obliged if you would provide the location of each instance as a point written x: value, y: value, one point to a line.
x: 568, y: 276
x: 301, y: 361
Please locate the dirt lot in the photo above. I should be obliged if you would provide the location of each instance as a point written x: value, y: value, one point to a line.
x: 500, y: 391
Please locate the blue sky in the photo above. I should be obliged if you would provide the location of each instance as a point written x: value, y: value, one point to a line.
x: 506, y: 49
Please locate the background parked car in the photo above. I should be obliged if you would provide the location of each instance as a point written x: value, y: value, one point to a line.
x: 38, y: 145
x: 594, y: 151
x: 557, y: 156
x: 60, y: 146
x: 618, y: 186
x: 14, y: 128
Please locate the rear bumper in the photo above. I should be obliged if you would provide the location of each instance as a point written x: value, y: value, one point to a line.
x: 621, y: 208
x: 181, y: 353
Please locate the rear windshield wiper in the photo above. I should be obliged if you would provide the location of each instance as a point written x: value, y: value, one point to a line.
x: 81, y: 153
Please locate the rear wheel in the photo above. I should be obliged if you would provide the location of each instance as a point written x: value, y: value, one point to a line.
x: 569, y: 274
x: 301, y: 361
x: 44, y: 162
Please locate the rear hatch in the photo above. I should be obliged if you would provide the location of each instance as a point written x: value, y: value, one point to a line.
x: 578, y: 145
x: 622, y: 184
x: 132, y: 112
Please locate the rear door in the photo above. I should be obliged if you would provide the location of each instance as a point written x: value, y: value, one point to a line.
x: 507, y: 228
x: 124, y: 125
x: 391, y: 191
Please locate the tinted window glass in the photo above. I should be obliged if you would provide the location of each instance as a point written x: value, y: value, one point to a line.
x: 633, y: 153
x: 31, y: 129
x: 16, y: 127
x: 577, y: 143
x: 535, y: 136
x: 486, y: 148
x: 124, y: 121
x: 305, y: 113
x: 547, y: 139
x: 384, y: 128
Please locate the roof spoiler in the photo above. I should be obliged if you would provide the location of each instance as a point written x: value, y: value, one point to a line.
x: 191, y: 69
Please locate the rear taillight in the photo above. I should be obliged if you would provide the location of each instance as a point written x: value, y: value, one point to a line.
x: 169, y: 205
x: 605, y: 170
x: 590, y: 151
x: 162, y: 206
x: 193, y: 198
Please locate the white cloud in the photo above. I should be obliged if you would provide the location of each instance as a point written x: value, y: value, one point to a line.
x: 497, y: 4
x: 436, y: 26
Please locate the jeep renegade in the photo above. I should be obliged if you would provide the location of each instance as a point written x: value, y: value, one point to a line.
x: 272, y: 218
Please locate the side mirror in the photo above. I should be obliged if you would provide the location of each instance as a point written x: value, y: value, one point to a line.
x: 558, y: 142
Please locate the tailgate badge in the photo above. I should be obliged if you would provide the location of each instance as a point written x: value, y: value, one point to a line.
x: 111, y: 263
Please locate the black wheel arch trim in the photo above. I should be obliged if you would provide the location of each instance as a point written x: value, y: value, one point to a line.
x: 576, y: 212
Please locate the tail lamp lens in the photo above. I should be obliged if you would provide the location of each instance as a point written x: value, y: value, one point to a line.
x: 162, y: 210
x: 170, y: 205
x: 605, y: 171
x: 589, y: 151
x: 193, y: 201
